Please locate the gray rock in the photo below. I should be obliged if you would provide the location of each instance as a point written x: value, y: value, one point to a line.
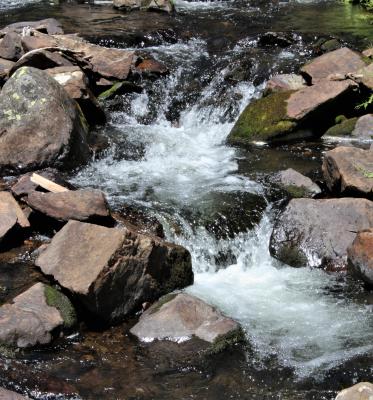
x: 296, y: 184
x: 11, y: 47
x: 8, y: 395
x: 360, y: 391
x: 149, y: 5
x: 284, y: 82
x: 364, y: 127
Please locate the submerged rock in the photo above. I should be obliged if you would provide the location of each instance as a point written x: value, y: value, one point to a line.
x: 8, y: 395
x: 40, y: 125
x: 284, y: 82
x: 360, y: 391
x: 276, y: 39
x: 33, y: 316
x: 360, y: 256
x: 113, y: 271
x: 178, y: 317
x: 317, y: 233
x: 349, y: 171
x: 296, y: 184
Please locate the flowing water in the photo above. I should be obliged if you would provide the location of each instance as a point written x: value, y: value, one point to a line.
x: 168, y: 156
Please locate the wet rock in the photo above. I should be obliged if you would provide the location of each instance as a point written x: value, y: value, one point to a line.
x: 34, y: 316
x: 317, y: 233
x: 76, y: 84
x: 119, y: 88
x: 49, y: 26
x: 283, y: 83
x: 80, y: 205
x: 11, y: 215
x: 360, y: 391
x: 178, y: 317
x: 364, y: 127
x: 8, y: 395
x: 38, y: 41
x: 113, y: 271
x: 344, y: 127
x: 360, y: 256
x: 40, y: 125
x: 149, y: 5
x: 289, y: 115
x: 330, y: 45
x: 275, y: 39
x: 349, y: 171
x: 296, y: 184
x: 342, y: 61
x: 11, y: 47
x: 151, y: 68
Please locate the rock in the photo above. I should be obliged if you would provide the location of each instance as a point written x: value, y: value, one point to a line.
x: 349, y: 171
x: 80, y: 205
x: 150, y: 67
x: 360, y: 391
x: 275, y: 39
x: 360, y: 256
x: 34, y: 316
x: 343, y: 128
x: 365, y: 76
x: 285, y: 116
x: 330, y: 45
x: 317, y: 233
x: 40, y: 125
x: 11, y: 215
x: 49, y: 26
x: 284, y: 82
x: 342, y: 61
x: 149, y: 5
x: 11, y: 47
x: 178, y: 317
x: 368, y: 52
x: 364, y: 127
x: 75, y: 82
x: 119, y: 88
x: 113, y: 271
x: 8, y: 395
x: 5, y: 67
x: 38, y: 41
x: 296, y: 184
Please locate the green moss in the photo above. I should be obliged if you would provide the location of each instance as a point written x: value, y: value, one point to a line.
x: 342, y: 129
x: 55, y: 298
x: 340, y: 118
x: 161, y: 302
x: 263, y: 119
x: 292, y: 256
x: 296, y: 191
x: 8, y: 351
x: 224, y: 342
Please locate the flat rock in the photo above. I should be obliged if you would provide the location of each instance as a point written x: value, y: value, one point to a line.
x: 342, y: 61
x: 41, y: 126
x: 296, y: 184
x: 349, y: 171
x: 79, y: 205
x: 360, y: 256
x: 11, y: 214
x: 8, y: 395
x: 38, y: 41
x: 181, y: 316
x: 33, y: 317
x: 317, y: 233
x: 284, y: 82
x: 11, y: 47
x: 113, y: 271
x: 50, y: 26
x: 360, y: 391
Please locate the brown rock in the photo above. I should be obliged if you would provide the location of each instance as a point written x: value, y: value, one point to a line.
x: 113, y: 271
x: 149, y: 5
x: 364, y: 127
x: 11, y: 214
x: 79, y: 205
x: 8, y: 395
x: 284, y: 82
x: 49, y: 26
x: 365, y: 76
x: 360, y: 391
x: 38, y: 41
x: 368, y: 53
x: 181, y: 316
x: 342, y: 61
x: 296, y: 184
x: 5, y: 67
x: 360, y: 256
x: 349, y: 171
x: 151, y: 67
x: 11, y: 47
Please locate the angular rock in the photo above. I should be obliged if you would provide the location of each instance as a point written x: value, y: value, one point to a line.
x: 284, y: 82
x: 38, y: 41
x: 33, y: 317
x: 11, y: 215
x: 149, y: 5
x: 349, y: 171
x: 317, y: 233
x: 180, y: 316
x: 360, y: 256
x: 342, y: 61
x: 8, y: 395
x: 80, y: 205
x: 365, y: 76
x: 360, y: 391
x: 113, y: 271
x: 5, y: 67
x: 285, y: 116
x: 49, y: 26
x: 11, y: 47
x: 296, y: 184
x: 364, y: 127
x: 75, y: 82
x: 151, y: 67
x: 40, y: 125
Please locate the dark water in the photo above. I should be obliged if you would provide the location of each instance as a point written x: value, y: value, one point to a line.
x: 309, y: 333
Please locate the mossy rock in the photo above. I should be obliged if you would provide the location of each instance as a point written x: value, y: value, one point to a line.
x: 264, y: 119
x: 344, y: 128
x: 55, y: 298
x: 297, y: 191
x: 226, y: 342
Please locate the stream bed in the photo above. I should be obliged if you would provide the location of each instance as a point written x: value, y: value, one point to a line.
x: 309, y: 332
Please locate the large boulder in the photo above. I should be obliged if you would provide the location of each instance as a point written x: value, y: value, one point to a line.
x: 181, y: 316
x: 342, y: 62
x: 349, y: 171
x: 358, y: 127
x: 40, y: 125
x: 11, y: 215
x: 292, y: 115
x: 8, y: 395
x: 81, y: 205
x: 360, y: 256
x: 296, y: 184
x: 317, y: 233
x: 113, y: 271
x: 360, y: 391
x: 284, y: 82
x: 34, y: 316
x: 149, y: 5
